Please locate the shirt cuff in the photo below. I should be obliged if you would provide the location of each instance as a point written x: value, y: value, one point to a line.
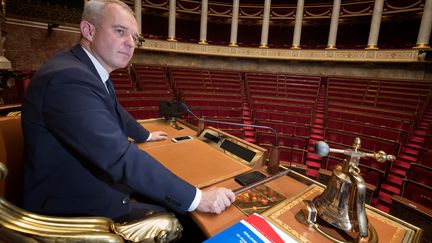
x: 196, y: 200
x: 149, y: 137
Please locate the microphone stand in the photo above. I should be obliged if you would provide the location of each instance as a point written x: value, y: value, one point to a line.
x: 273, y: 163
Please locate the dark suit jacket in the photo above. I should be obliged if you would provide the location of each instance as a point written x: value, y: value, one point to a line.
x: 78, y: 157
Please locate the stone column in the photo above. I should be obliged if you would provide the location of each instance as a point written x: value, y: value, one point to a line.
x: 265, y: 24
x: 425, y: 26
x: 331, y: 44
x: 172, y: 20
x: 203, y: 28
x: 137, y: 7
x: 298, y: 25
x: 375, y: 25
x: 234, y: 23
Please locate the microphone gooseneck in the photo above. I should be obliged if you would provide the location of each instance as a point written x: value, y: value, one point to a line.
x: 276, y: 141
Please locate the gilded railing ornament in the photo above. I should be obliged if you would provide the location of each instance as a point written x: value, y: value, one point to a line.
x: 157, y: 227
x: 18, y: 225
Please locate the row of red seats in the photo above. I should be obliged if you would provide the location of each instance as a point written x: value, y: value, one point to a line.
x: 282, y: 116
x: 143, y: 112
x: 140, y: 102
x: 286, y: 140
x: 411, y: 86
x: 407, y: 95
x: 417, y: 192
x: 396, y: 114
x: 286, y: 128
x: 165, y: 94
x: 215, y: 103
x: 259, y: 105
x: 209, y: 95
x: 292, y: 94
x: 367, y: 129
x: 371, y: 144
x: 364, y: 117
x: 220, y: 112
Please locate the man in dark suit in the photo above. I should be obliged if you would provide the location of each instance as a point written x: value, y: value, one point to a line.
x: 79, y: 160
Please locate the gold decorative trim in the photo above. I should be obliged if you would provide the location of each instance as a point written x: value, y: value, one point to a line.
x: 372, y: 47
x: 331, y: 47
x: 422, y: 46
x: 203, y: 42
x: 343, y: 55
x: 171, y: 39
x: 295, y: 47
x: 233, y: 44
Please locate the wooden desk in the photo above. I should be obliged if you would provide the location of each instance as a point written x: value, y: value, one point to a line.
x: 193, y: 160
x: 202, y: 165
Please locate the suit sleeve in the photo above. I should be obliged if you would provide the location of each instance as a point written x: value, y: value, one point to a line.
x: 134, y: 130
x: 80, y: 115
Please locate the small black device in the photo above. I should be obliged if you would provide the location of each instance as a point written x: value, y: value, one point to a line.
x: 249, y: 178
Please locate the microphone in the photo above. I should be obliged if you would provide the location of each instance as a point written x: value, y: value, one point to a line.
x: 273, y: 164
x: 171, y: 109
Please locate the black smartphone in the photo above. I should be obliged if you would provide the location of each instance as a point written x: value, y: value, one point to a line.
x: 248, y: 178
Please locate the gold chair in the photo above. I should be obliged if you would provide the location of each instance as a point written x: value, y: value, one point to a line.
x: 18, y: 225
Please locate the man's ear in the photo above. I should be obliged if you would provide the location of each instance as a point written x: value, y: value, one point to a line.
x: 87, y: 30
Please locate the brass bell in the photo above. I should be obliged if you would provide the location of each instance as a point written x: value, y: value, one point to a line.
x: 342, y: 204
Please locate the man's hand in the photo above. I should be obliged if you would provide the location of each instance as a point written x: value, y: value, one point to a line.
x: 158, y: 135
x: 215, y: 200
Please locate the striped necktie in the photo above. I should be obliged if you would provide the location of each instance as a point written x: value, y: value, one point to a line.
x: 110, y: 87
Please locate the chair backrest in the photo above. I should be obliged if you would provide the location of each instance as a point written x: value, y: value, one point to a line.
x: 11, y: 154
x: 18, y: 225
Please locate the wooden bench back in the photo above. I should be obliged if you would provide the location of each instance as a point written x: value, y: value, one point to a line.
x: 11, y: 154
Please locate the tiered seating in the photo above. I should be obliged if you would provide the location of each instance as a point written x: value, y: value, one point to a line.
x: 365, y: 116
x: 286, y: 103
x: 367, y: 129
x: 425, y: 158
x: 151, y: 78
x: 421, y: 175
x: 283, y: 85
x: 417, y: 192
x: 368, y: 143
x: 152, y: 87
x: 212, y: 94
x: 386, y: 94
x: 428, y: 142
x: 184, y: 79
x: 381, y: 112
x: 121, y: 79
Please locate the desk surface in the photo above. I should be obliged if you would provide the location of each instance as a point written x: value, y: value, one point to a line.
x: 192, y: 160
x: 202, y: 165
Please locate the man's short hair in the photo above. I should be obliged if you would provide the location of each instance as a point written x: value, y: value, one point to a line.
x: 94, y: 10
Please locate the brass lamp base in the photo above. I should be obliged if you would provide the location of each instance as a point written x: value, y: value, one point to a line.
x: 335, y: 234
